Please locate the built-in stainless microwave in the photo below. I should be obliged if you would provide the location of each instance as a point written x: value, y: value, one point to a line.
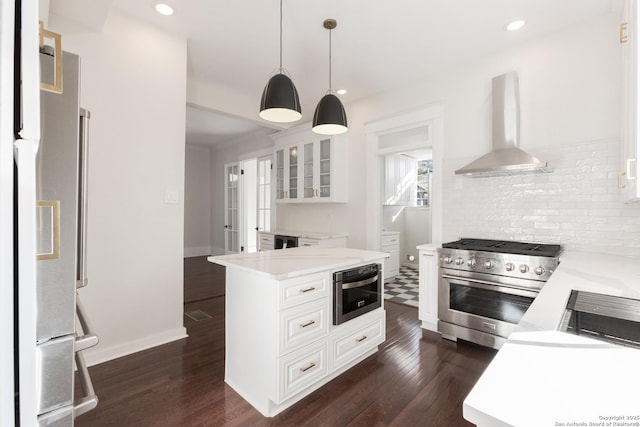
x: 356, y: 291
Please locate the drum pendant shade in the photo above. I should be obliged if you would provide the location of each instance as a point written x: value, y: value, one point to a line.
x: 330, y: 117
x: 280, y: 102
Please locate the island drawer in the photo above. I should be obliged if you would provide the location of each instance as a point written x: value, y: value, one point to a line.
x: 352, y: 344
x: 303, y: 324
x: 302, y: 368
x: 303, y: 289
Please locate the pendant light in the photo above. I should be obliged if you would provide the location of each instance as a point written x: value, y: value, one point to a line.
x: 280, y: 102
x: 329, y: 117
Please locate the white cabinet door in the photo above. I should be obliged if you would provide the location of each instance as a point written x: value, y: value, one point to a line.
x: 628, y: 177
x: 390, y: 244
x: 232, y: 211
x: 282, y: 174
x: 310, y: 168
x: 428, y: 289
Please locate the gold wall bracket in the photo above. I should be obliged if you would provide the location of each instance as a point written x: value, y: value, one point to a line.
x: 56, y: 87
x: 623, y: 32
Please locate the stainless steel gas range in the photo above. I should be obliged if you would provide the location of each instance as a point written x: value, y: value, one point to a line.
x: 485, y: 286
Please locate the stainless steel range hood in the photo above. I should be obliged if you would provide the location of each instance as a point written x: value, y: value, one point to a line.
x: 506, y: 158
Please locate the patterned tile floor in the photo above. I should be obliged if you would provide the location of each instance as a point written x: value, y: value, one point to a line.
x: 403, y: 288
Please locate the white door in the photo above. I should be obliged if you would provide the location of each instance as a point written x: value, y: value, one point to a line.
x: 232, y: 208
x: 248, y: 205
x: 264, y: 194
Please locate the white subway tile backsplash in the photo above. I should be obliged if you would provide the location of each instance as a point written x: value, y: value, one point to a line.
x: 578, y: 205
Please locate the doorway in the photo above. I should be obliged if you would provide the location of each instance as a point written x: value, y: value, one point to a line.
x: 389, y: 139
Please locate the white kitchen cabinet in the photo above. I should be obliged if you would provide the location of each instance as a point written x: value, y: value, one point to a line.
x: 628, y: 176
x: 280, y: 341
x: 401, y: 175
x: 286, y: 160
x: 336, y: 242
x: 428, y: 286
x: 310, y: 168
x: 390, y: 243
x: 265, y: 241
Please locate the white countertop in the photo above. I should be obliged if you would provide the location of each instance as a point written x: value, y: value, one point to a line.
x: 542, y: 377
x: 306, y: 234
x: 293, y: 262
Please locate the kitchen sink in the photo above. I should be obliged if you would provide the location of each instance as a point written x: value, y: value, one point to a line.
x: 607, y: 318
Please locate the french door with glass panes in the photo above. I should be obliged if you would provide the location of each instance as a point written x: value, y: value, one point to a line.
x: 264, y: 194
x: 232, y: 208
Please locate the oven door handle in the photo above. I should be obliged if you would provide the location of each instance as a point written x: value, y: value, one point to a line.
x: 490, y: 283
x: 360, y: 283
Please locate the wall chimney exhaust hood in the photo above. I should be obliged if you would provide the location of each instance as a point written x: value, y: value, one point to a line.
x: 505, y: 158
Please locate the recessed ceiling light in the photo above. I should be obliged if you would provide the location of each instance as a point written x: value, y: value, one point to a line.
x: 163, y: 8
x: 514, y: 25
x: 341, y: 91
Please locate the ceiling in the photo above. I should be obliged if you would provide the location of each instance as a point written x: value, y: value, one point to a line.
x: 377, y: 45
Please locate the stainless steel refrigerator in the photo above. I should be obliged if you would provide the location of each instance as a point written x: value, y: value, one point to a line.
x: 61, y: 220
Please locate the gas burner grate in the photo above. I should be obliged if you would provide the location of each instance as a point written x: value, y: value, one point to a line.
x: 505, y: 246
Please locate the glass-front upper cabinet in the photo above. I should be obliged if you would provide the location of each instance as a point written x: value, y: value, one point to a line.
x: 325, y: 168
x: 310, y: 168
x: 279, y: 157
x: 293, y: 172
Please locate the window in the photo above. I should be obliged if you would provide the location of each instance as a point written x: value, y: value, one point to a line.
x: 424, y: 170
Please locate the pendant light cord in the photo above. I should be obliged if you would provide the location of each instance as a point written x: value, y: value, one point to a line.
x: 280, y: 35
x: 330, y: 59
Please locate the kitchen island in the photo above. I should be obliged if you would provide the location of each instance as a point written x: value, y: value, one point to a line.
x: 280, y: 340
x: 544, y: 377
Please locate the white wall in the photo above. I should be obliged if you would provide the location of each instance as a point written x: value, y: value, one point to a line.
x: 134, y: 84
x: 197, y: 201
x: 570, y: 96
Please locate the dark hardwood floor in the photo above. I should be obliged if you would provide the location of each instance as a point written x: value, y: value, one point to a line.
x: 202, y: 279
x: 416, y: 378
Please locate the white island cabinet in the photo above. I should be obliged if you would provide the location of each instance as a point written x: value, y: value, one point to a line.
x: 280, y: 340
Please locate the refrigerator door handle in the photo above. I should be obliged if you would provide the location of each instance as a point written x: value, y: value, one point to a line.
x: 90, y: 400
x: 83, y: 202
x: 89, y: 339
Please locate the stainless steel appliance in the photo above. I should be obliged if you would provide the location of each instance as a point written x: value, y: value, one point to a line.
x: 506, y: 157
x: 283, y: 242
x: 486, y: 286
x: 61, y: 219
x: 607, y: 318
x: 356, y: 291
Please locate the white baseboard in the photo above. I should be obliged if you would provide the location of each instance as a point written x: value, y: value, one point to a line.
x: 201, y: 251
x: 430, y: 325
x: 97, y: 355
x: 217, y: 251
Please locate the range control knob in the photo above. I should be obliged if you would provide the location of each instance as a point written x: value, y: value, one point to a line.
x: 510, y: 266
x: 471, y: 263
x: 524, y: 268
x: 448, y: 260
x: 488, y: 264
x: 539, y: 270
x: 459, y: 261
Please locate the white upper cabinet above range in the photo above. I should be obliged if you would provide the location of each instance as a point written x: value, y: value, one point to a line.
x: 628, y: 176
x: 310, y: 168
